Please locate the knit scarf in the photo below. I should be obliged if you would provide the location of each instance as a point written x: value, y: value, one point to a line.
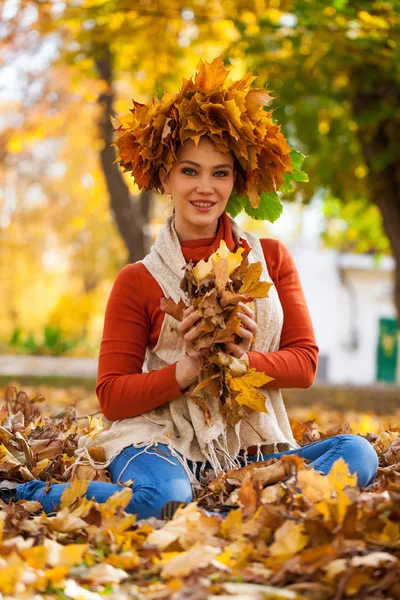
x: 180, y: 423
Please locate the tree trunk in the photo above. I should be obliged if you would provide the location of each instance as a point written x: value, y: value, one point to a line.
x: 378, y: 142
x: 131, y: 214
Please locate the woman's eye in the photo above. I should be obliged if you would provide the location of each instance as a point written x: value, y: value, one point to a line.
x: 185, y: 171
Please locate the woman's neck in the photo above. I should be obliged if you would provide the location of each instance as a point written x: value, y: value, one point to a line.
x: 189, y: 231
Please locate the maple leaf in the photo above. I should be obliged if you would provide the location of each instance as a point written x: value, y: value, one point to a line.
x: 290, y: 538
x: 172, y: 308
x: 327, y: 492
x: 205, y: 267
x: 249, y: 495
x: 245, y: 390
x: 201, y: 403
x: 252, y: 286
x: 221, y: 274
x: 183, y: 563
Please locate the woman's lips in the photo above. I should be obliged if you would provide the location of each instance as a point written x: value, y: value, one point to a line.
x: 205, y: 207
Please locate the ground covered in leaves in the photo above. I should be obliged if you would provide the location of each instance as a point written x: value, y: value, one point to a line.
x: 292, y: 533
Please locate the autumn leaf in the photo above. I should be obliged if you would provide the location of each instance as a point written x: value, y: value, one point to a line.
x: 172, y: 308
x: 249, y: 495
x: 183, y: 563
x: 252, y: 286
x: 73, y: 492
x: 327, y: 492
x: 245, y: 390
x: 290, y: 538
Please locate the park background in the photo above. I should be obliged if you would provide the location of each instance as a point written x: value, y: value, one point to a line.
x: 70, y: 220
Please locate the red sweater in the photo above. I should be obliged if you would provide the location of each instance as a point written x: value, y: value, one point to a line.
x: 133, y: 321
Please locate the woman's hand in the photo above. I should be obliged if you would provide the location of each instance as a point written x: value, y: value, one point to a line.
x: 247, y: 332
x: 187, y: 368
x: 190, y: 316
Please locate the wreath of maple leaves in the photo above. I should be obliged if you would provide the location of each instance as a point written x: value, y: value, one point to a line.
x: 228, y: 112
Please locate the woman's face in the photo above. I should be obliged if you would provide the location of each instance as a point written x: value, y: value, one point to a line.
x: 200, y: 183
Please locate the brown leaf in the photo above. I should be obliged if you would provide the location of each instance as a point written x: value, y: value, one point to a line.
x: 249, y: 496
x: 43, y: 449
x: 203, y: 406
x: 172, y: 308
x: 220, y: 269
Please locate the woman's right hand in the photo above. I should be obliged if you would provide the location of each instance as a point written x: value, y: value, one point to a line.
x: 187, y: 369
x: 188, y: 335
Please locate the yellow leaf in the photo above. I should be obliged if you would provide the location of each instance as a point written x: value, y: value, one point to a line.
x: 10, y: 576
x: 205, y: 267
x: 176, y: 528
x: 126, y: 561
x: 231, y: 527
x: 339, y: 475
x: 289, y: 539
x: 245, y: 387
x: 95, y: 426
x: 326, y: 492
x: 64, y: 522
x: 73, y: 492
x: 119, y: 499
x: 55, y: 575
x: 198, y: 556
x: 252, y: 286
x: 64, y: 556
x: 237, y: 554
x: 35, y: 557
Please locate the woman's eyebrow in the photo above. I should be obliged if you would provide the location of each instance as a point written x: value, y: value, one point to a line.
x: 214, y: 167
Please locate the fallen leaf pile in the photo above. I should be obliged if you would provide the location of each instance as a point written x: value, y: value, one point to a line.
x: 215, y: 287
x: 34, y: 446
x: 292, y: 533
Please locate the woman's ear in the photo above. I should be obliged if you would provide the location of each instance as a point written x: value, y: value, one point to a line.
x: 162, y: 174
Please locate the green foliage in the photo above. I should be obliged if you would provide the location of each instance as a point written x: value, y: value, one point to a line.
x: 53, y: 341
x: 270, y: 207
x: 354, y: 227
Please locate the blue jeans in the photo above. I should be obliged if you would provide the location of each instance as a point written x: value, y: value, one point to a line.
x: 156, y: 481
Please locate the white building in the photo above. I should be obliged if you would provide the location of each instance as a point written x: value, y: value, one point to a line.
x: 351, y: 304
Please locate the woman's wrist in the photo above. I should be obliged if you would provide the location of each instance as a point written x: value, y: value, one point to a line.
x: 186, y: 372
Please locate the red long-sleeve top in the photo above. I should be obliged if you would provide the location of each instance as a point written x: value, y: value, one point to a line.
x: 133, y: 321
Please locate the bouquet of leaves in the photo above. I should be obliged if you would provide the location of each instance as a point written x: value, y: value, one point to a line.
x: 215, y: 287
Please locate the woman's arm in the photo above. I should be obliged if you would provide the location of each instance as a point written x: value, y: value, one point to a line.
x: 294, y: 365
x: 122, y: 389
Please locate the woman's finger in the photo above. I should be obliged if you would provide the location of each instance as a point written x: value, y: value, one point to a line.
x: 245, y: 333
x: 187, y: 323
x: 247, y: 322
x: 188, y: 311
x: 246, y: 310
x: 192, y: 334
x: 234, y: 349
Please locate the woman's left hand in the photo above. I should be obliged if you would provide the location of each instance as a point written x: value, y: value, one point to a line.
x: 247, y: 331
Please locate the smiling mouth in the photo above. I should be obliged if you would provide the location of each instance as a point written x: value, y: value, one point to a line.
x: 203, y: 204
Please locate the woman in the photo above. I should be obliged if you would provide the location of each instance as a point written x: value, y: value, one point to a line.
x: 159, y: 439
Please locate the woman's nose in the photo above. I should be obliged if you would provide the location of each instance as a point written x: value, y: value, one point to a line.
x: 205, y: 185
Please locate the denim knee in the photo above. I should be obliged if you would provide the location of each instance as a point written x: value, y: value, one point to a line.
x: 365, y: 457
x: 147, y: 500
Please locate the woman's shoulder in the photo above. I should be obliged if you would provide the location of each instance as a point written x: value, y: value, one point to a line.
x: 274, y: 249
x: 132, y: 273
x: 134, y: 277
